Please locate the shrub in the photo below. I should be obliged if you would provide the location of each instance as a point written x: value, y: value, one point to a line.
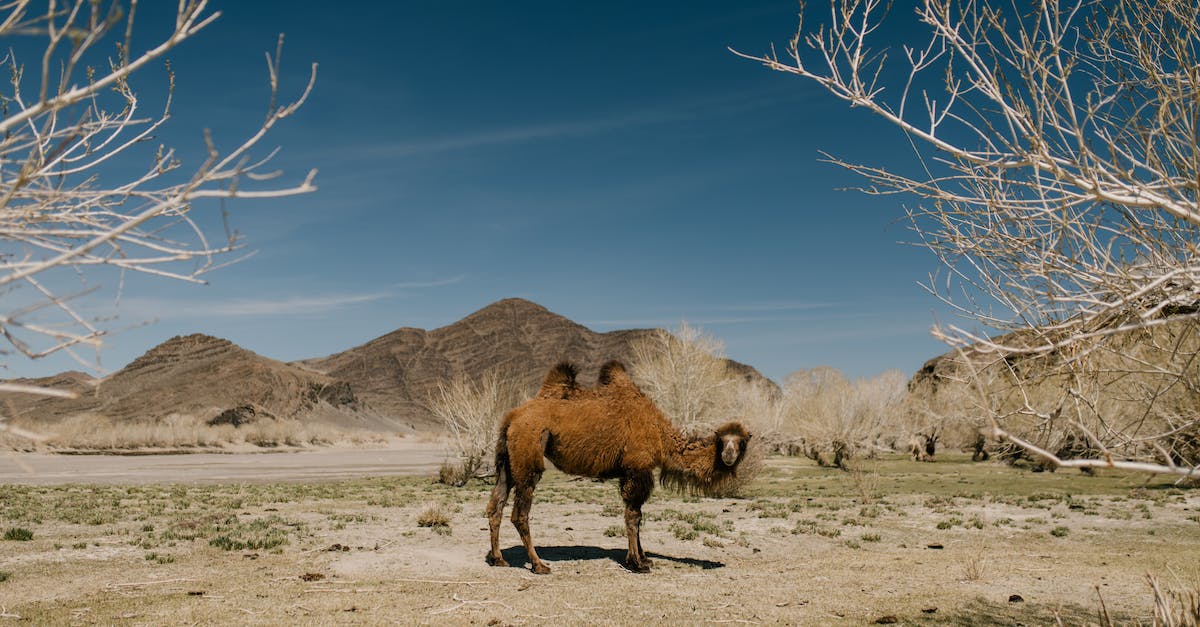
x: 18, y: 534
x: 471, y: 412
x: 433, y: 517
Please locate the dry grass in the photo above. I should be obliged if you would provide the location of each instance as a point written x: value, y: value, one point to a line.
x: 99, y: 433
x: 1175, y: 607
x: 433, y: 516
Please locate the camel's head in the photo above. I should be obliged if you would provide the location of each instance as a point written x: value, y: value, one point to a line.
x: 732, y: 439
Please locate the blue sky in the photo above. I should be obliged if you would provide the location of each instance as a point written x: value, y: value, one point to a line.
x: 611, y: 161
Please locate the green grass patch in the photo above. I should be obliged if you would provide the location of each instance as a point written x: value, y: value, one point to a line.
x: 18, y: 534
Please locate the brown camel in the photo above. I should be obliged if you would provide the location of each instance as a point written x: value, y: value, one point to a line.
x: 610, y: 431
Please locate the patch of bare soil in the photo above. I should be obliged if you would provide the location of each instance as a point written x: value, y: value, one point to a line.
x: 386, y: 457
x: 944, y: 543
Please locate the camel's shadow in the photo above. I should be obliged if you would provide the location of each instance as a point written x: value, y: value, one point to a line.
x: 516, y: 557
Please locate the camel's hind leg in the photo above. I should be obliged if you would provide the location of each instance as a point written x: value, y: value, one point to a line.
x: 520, y: 519
x: 526, y: 462
x: 495, y: 513
x: 635, y: 489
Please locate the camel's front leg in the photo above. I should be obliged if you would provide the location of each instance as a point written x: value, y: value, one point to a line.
x: 635, y: 489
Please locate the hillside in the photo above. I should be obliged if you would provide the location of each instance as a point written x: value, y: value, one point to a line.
x: 194, y: 375
x: 397, y: 372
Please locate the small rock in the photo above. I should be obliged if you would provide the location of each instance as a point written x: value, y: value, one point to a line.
x: 935, y: 545
x: 887, y: 619
x: 312, y: 577
x: 1016, y: 598
x: 196, y: 593
x: 929, y: 610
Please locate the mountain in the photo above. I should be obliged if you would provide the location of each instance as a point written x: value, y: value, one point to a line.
x: 383, y: 384
x: 195, y: 375
x: 397, y: 372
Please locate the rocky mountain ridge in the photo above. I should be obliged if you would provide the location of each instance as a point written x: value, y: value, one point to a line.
x: 384, y: 383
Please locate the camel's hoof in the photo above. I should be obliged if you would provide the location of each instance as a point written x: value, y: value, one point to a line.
x: 638, y: 567
x: 541, y: 569
x: 496, y: 560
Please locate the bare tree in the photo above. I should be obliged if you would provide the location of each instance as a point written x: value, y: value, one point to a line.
x: 68, y: 114
x: 836, y: 418
x: 471, y: 412
x: 1058, y: 169
x: 685, y: 373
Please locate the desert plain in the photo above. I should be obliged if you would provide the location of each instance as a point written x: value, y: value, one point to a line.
x: 357, y: 537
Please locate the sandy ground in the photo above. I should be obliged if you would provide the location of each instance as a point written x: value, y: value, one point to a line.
x: 396, y: 457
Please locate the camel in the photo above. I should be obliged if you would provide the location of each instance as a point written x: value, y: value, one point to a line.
x: 611, y: 431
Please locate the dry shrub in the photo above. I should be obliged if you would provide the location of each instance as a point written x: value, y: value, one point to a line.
x: 1175, y: 608
x: 454, y: 474
x: 758, y: 405
x: 953, y: 416
x: 94, y: 432
x: 471, y: 412
x: 837, y: 419
x: 433, y: 516
x: 865, y: 478
x: 685, y: 374
x: 1134, y: 398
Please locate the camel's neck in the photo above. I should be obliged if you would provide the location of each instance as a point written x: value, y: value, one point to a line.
x: 693, y: 456
x: 690, y: 464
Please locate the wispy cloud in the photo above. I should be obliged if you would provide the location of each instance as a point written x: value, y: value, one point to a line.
x: 295, y: 306
x: 302, y: 305
x: 667, y: 112
x: 412, y: 285
x: 674, y: 322
x: 777, y: 306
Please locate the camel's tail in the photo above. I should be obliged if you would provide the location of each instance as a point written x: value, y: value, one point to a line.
x: 502, y: 470
x: 502, y: 451
x: 560, y: 381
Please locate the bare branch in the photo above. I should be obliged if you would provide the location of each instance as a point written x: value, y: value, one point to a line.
x: 56, y: 211
x: 1059, y: 183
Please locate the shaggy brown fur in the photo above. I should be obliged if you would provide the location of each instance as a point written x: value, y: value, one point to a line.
x: 610, y: 431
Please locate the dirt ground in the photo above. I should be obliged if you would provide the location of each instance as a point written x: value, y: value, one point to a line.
x: 394, y: 456
x: 950, y: 542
